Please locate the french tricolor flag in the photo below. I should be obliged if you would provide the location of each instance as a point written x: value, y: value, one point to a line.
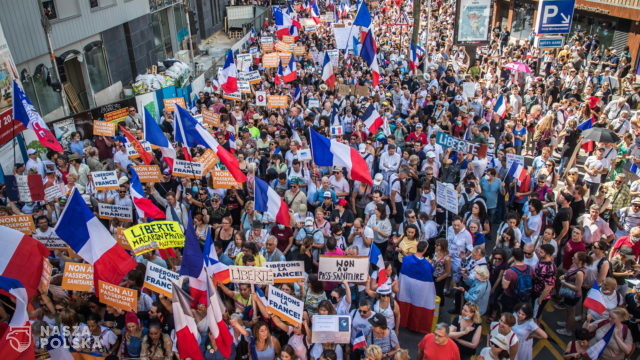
x: 328, y: 75
x: 219, y: 270
x: 500, y: 106
x: 368, y: 53
x: 359, y: 341
x: 21, y: 258
x: 215, y: 321
x: 260, y: 294
x: 144, y: 155
x: 185, y: 326
x: 587, y: 145
x: 372, y: 119
x: 333, y: 153
x: 16, y: 342
x: 145, y: 208
x: 189, y: 132
x: 85, y: 234
x: 417, y: 295
x: 228, y: 77
x: 517, y: 171
x: 193, y: 265
x: 315, y: 12
x: 268, y: 201
x: 26, y: 188
x: 635, y: 169
x: 413, y: 61
x: 284, y: 22
x: 154, y: 135
x: 377, y: 262
x: 595, y: 300
x: 25, y: 112
x: 595, y: 351
x: 289, y: 72
x: 232, y: 143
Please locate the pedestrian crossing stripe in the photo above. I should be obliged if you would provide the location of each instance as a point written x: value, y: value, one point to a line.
x: 546, y: 344
x: 552, y: 334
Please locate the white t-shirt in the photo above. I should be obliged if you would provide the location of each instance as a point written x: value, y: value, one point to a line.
x: 425, y: 202
x: 592, y: 163
x: 535, y: 224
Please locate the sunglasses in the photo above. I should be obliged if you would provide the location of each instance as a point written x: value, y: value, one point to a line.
x: 363, y: 311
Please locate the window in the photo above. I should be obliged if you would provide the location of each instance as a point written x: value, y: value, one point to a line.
x: 49, y: 8
x: 97, y: 68
x: 48, y: 99
x: 94, y: 3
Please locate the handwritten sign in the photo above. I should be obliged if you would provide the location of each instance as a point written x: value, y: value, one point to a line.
x: 244, y: 87
x: 154, y: 235
x: 253, y: 77
x: 285, y: 306
x: 314, y: 103
x: 77, y: 277
x: 222, y: 179
x: 286, y: 271
x: 112, y: 211
x: 148, y: 173
x: 159, y: 279
x: 270, y: 60
x: 105, y: 180
x: 211, y: 118
x: 277, y: 101
x: 188, y: 169
x: 118, y: 297
x: 22, y: 223
x: 299, y: 50
x: 448, y: 141
x: 53, y: 192
x: 169, y: 104
x: 251, y: 275
x: 45, y: 277
x: 341, y: 268
x: 244, y: 61
x: 116, y: 115
x: 331, y: 329
x: 208, y: 160
x: 51, y: 240
x: 103, y: 128
x: 447, y: 196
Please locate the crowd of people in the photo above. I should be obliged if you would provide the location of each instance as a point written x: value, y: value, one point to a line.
x: 520, y: 245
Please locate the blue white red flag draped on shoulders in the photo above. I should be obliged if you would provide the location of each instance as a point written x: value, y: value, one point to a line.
x: 417, y: 295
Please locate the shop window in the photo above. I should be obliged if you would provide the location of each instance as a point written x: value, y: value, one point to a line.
x: 523, y: 20
x: 48, y: 99
x: 97, y: 68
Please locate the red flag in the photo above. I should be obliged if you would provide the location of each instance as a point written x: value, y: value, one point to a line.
x: 145, y: 156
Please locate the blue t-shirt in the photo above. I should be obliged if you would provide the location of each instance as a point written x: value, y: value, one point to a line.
x: 491, y: 191
x: 520, y: 132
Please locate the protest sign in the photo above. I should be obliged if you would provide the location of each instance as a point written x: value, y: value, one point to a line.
x: 288, y: 39
x: 299, y: 50
x: 154, y: 235
x: 334, y: 55
x: 361, y: 90
x: 77, y: 277
x: 159, y: 279
x: 277, y: 101
x: 284, y: 57
x: 208, y: 160
x: 169, y: 103
x: 511, y: 158
x: 103, y: 128
x: 45, y: 277
x: 118, y: 297
x: 105, y: 180
x: 254, y: 50
x: 448, y: 141
x: 344, y: 89
x: 285, y: 306
x: 447, y: 196
x: 53, y: 192
x: 211, y: 118
x: 222, y: 179
x: 233, y: 96
x: 336, y: 130
x: 253, y: 77
x: 341, y: 268
x: 311, y: 28
x: 244, y: 61
x: 283, y: 47
x: 148, y: 173
x: 117, y: 115
x: 133, y: 153
x: 314, y: 103
x: 22, y: 223
x: 51, y: 240
x: 266, y: 43
x: 244, y: 87
x: 261, y: 98
x: 331, y: 329
x: 112, y: 211
x: 188, y: 169
x: 251, y: 275
x: 270, y: 60
x: 304, y: 154
x: 327, y: 17
x: 286, y: 271
x: 121, y: 239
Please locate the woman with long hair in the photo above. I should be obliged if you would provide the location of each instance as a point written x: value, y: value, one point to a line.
x: 131, y: 343
x: 381, y: 226
x: 466, y: 330
x: 441, y: 267
x: 571, y: 290
x: 543, y: 133
x: 266, y: 345
x: 526, y: 329
x: 478, y: 213
x: 156, y: 345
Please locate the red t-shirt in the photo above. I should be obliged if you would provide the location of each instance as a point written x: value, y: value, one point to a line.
x: 571, y: 249
x: 432, y: 351
x: 511, y: 276
x: 626, y: 241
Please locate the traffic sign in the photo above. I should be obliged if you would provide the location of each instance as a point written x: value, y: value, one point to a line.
x: 554, y: 16
x: 549, y: 42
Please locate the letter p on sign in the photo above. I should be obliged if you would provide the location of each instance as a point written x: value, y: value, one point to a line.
x: 550, y: 12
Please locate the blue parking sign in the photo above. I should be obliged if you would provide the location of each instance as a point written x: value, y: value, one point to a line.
x: 554, y: 16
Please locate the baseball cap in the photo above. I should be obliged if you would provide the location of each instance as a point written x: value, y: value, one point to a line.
x: 418, y: 125
x: 627, y: 251
x: 377, y: 179
x: 431, y: 154
x: 342, y: 202
x: 458, y: 97
x: 308, y: 221
x: 327, y: 194
x: 378, y: 320
x: 636, y: 200
x: 31, y: 151
x: 362, y: 148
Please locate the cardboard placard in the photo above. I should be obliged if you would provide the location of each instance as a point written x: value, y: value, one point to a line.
x: 331, y: 329
x: 282, y: 46
x: 103, y: 128
x: 286, y: 271
x: 286, y: 307
x: 53, y: 192
x: 237, y: 96
x: 51, y: 240
x: 361, y: 90
x: 112, y: 211
x: 105, y: 180
x: 277, y: 101
x: 160, y: 280
x: 270, y: 60
x: 117, y: 296
x: 447, y: 196
x: 244, y: 61
x: 340, y: 268
x: 244, y: 87
x: 253, y: 77
x: 288, y: 39
x: 121, y: 239
x: 45, y: 277
x: 284, y: 57
x: 299, y: 50
x: 208, y: 160
x: 188, y: 169
x: 251, y: 275
x: 211, y: 118
x: 344, y: 89
x: 222, y: 179
x: 148, y: 173
x: 22, y: 223
x: 133, y: 153
x: 261, y: 98
x: 154, y: 235
x: 116, y: 115
x: 169, y: 103
x: 77, y: 277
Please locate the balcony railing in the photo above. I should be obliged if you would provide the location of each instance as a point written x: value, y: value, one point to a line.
x: 631, y: 4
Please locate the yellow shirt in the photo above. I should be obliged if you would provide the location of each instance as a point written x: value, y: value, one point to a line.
x: 260, y: 260
x: 407, y: 247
